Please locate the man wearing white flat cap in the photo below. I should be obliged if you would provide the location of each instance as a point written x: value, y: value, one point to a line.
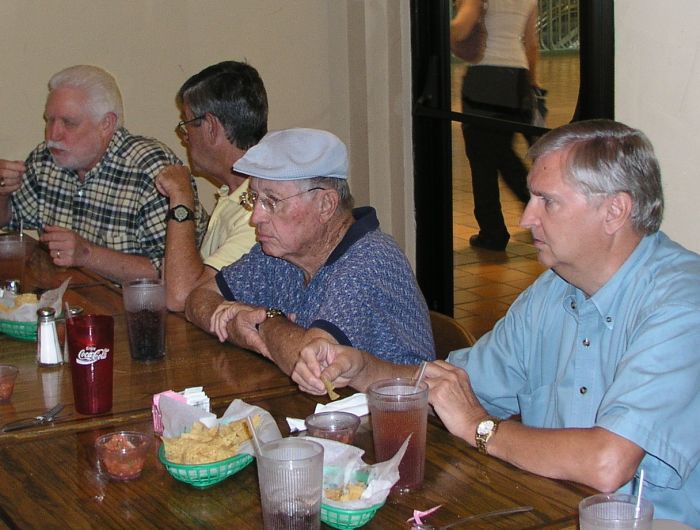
x: 320, y: 269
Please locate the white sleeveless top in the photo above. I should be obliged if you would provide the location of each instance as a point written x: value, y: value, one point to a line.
x: 505, y: 23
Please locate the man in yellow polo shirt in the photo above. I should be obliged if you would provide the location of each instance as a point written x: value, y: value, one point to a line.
x: 225, y: 113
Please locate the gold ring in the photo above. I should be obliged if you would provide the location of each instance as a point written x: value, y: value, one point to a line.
x: 2, y: 182
x: 58, y: 253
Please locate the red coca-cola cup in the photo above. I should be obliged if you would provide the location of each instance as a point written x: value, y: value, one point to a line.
x: 91, y: 351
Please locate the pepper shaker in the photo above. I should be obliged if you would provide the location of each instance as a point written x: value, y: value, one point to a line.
x: 71, y: 311
x: 48, y: 349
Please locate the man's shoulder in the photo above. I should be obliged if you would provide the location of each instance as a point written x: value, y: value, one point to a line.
x: 141, y: 150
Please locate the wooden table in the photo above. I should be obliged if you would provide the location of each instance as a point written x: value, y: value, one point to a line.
x: 48, y: 475
x: 55, y: 479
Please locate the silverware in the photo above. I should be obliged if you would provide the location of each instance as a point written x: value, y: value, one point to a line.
x: 46, y: 417
x: 487, y: 515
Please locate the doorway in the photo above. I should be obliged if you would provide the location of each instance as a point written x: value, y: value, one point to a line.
x: 475, y: 285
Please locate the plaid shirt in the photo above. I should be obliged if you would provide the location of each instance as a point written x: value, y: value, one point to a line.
x: 116, y: 206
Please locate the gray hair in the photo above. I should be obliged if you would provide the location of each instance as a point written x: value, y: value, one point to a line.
x: 99, y: 85
x: 605, y: 157
x: 346, y: 201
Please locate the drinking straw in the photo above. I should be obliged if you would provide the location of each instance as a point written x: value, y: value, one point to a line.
x: 68, y: 313
x: 421, y: 373
x: 256, y: 442
x: 640, y: 487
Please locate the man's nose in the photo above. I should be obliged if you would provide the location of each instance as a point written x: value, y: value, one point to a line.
x: 528, y: 219
x: 54, y: 131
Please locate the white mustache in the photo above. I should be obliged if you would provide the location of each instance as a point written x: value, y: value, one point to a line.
x: 55, y: 145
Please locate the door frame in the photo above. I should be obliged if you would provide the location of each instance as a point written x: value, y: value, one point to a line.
x: 432, y: 127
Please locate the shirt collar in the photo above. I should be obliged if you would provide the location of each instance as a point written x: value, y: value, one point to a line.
x: 607, y: 296
x: 365, y: 221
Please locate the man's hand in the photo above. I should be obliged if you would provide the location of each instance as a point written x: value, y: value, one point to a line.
x: 11, y: 172
x: 175, y: 183
x: 453, y: 399
x: 66, y: 247
x: 238, y: 322
x: 321, y: 358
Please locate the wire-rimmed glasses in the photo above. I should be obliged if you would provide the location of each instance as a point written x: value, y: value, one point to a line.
x: 249, y: 199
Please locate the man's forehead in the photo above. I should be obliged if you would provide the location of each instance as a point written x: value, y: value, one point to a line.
x: 66, y: 101
x: 547, y: 171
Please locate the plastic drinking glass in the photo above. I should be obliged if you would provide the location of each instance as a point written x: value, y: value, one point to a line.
x: 399, y: 407
x: 13, y: 255
x: 615, y: 511
x: 144, y: 301
x: 91, y: 352
x: 290, y: 472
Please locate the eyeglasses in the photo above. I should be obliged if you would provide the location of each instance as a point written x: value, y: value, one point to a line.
x: 249, y: 199
x: 182, y: 130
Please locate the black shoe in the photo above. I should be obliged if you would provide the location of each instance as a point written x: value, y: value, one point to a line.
x: 477, y: 240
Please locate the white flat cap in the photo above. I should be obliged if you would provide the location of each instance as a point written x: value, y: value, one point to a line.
x: 294, y: 154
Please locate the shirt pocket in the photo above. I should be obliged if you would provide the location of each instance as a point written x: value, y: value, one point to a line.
x: 535, y: 406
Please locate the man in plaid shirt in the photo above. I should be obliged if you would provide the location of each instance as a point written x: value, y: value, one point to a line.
x: 89, y: 187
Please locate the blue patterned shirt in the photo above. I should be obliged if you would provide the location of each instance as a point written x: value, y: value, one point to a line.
x: 116, y: 206
x: 365, y: 295
x: 627, y: 359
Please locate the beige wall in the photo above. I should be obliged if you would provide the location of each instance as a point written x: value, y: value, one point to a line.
x: 341, y: 65
x: 657, y: 89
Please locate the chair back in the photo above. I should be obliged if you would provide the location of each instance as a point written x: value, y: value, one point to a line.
x: 449, y: 334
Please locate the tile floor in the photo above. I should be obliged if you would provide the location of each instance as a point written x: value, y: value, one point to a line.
x: 487, y: 282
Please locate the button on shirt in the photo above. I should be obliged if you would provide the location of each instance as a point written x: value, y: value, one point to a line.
x: 116, y: 206
x: 627, y: 359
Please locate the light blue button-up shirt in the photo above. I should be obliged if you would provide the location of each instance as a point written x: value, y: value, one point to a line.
x: 626, y: 359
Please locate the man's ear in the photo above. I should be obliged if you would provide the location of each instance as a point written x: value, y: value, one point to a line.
x: 328, y: 204
x: 618, y: 212
x: 108, y: 123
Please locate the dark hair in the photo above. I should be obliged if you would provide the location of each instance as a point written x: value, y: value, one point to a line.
x: 233, y: 92
x: 606, y: 157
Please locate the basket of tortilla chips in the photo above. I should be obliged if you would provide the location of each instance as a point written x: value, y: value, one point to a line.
x: 23, y: 330
x: 338, y: 516
x: 206, y: 456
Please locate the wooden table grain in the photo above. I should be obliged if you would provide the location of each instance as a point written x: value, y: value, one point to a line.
x: 53, y: 481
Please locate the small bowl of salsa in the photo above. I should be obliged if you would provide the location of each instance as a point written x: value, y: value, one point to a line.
x: 122, y: 455
x: 338, y: 426
x: 8, y: 375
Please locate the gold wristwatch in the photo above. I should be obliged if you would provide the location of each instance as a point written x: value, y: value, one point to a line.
x: 273, y: 312
x: 484, y: 431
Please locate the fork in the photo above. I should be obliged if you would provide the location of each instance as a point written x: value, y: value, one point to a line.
x: 46, y: 417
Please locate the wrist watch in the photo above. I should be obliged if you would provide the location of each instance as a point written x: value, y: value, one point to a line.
x: 273, y: 312
x: 180, y: 213
x: 484, y: 431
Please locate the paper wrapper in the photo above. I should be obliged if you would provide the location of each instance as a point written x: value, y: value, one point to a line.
x: 178, y: 418
x: 343, y: 464
x: 27, y: 312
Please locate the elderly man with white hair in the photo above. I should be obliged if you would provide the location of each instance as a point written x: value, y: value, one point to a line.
x: 89, y: 187
x: 320, y: 269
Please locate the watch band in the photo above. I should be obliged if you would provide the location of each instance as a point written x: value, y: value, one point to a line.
x: 485, y: 431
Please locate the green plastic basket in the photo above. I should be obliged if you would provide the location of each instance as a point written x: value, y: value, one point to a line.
x: 347, y: 519
x: 19, y: 330
x: 205, y: 475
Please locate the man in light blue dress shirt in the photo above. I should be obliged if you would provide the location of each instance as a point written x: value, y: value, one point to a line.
x: 601, y: 355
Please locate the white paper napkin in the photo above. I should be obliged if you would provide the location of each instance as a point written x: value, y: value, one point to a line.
x: 356, y: 404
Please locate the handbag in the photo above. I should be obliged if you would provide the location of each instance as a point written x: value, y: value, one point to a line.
x: 471, y: 49
x: 539, y: 106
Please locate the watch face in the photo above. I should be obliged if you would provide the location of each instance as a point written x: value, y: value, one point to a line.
x: 485, y: 427
x: 180, y: 213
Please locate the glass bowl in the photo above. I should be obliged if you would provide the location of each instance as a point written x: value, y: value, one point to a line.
x: 8, y: 375
x: 121, y: 455
x: 338, y: 426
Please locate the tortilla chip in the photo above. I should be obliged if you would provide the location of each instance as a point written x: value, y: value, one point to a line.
x: 332, y: 394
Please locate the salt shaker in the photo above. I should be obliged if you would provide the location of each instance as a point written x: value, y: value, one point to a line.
x: 48, y: 349
x: 72, y: 311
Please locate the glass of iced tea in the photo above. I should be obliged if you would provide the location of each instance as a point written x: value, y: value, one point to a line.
x: 399, y: 407
x: 144, y: 301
